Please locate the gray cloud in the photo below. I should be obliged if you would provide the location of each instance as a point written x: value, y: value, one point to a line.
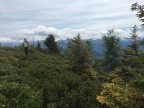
x: 76, y: 15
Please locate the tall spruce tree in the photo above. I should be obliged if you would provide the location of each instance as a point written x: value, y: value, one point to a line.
x: 133, y: 56
x: 111, y: 50
x: 133, y: 47
x: 79, y: 54
x: 51, y: 44
x: 140, y: 15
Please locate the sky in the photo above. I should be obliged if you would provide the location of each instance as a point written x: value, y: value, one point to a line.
x: 35, y: 19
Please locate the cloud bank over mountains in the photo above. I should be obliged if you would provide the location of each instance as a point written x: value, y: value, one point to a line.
x: 41, y: 32
x: 64, y: 33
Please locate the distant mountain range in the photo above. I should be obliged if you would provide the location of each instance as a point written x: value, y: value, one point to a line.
x: 97, y: 45
x: 10, y: 44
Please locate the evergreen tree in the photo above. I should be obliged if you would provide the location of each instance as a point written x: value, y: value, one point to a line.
x: 133, y: 48
x: 111, y: 50
x: 132, y: 56
x: 51, y: 44
x: 79, y: 54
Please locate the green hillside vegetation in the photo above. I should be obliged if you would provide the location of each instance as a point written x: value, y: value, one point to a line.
x: 46, y: 79
x: 42, y: 80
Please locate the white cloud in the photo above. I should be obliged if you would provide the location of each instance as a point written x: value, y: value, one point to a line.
x: 41, y: 32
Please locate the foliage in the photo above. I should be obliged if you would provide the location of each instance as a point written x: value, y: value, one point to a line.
x: 133, y: 48
x: 43, y: 80
x: 79, y: 54
x: 140, y: 11
x: 118, y: 94
x: 13, y: 93
x: 133, y: 56
x: 111, y: 50
x: 51, y: 44
x: 98, y: 65
x: 124, y: 86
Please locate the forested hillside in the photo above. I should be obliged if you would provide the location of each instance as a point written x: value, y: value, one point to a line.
x: 46, y: 79
x: 43, y: 80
